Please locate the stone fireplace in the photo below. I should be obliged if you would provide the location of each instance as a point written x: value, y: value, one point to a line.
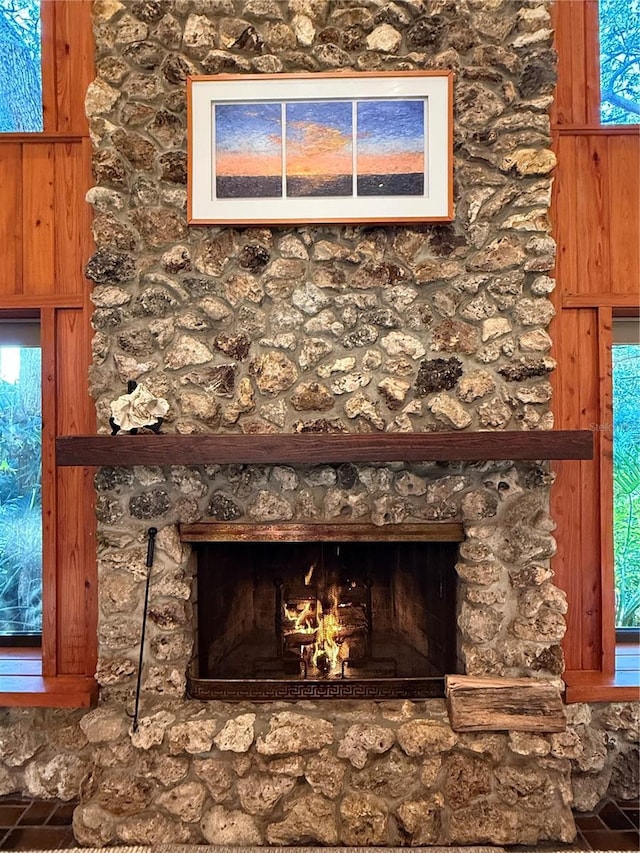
x: 321, y: 330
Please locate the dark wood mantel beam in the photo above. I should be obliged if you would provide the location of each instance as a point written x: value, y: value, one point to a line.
x: 313, y: 448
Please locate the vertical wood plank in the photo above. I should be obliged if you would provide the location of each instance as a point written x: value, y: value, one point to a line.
x: 74, y: 62
x: 77, y: 599
x: 590, y: 532
x: 592, y: 197
x: 605, y: 340
x: 72, y: 232
x: 592, y: 63
x: 49, y: 493
x: 568, y: 21
x: 564, y: 217
x: 577, y: 61
x: 623, y: 166
x: 38, y: 248
x: 49, y: 99
x: 11, y: 219
x: 566, y: 493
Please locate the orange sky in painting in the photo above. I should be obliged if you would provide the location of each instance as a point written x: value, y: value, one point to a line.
x: 254, y: 165
x: 390, y: 163
x: 318, y: 150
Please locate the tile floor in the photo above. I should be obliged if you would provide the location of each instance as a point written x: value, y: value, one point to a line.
x: 27, y: 824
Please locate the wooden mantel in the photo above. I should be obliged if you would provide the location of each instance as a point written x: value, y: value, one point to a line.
x: 314, y: 448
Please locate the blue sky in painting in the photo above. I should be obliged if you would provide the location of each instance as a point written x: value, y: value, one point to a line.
x: 398, y: 124
x: 248, y: 127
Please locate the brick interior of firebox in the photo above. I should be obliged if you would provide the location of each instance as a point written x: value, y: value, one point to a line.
x: 397, y: 610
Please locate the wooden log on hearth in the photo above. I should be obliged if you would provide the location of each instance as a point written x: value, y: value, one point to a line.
x: 500, y: 704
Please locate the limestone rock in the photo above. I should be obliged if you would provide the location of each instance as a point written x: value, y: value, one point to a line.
x: 194, y: 737
x: 237, y: 734
x: 152, y: 830
x: 397, y: 343
x: 270, y: 507
x: 310, y: 819
x: 234, y: 828
x: 394, y: 391
x: 312, y: 396
x: 324, y: 773
x: 424, y: 737
x: 421, y: 820
x: 385, y: 39
x: 103, y: 724
x: 292, y: 733
x: 359, y: 406
x: 391, y: 776
x: 530, y: 161
x: 259, y: 793
x: 274, y: 372
x: 60, y: 777
x: 474, y: 385
x: 185, y: 801
x: 20, y: 742
x: 360, y: 740
x: 217, y: 776
x: 186, y: 352
x: 364, y: 820
x: 447, y: 409
x: 151, y: 729
x: 304, y: 30
x: 92, y: 825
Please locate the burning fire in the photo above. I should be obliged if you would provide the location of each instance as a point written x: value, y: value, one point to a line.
x: 315, y: 626
x: 328, y: 649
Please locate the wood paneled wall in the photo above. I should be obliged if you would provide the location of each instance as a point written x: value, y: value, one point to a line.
x: 44, y: 221
x: 596, y: 215
x: 45, y: 236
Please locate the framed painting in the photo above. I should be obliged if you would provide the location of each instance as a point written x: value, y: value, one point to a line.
x: 299, y: 148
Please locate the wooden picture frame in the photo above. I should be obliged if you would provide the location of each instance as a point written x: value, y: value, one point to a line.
x: 276, y: 149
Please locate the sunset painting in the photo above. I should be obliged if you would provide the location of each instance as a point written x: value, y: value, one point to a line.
x: 390, y: 147
x: 248, y: 150
x: 319, y: 149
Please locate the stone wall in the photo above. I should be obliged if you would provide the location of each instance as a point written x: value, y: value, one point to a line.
x: 322, y: 329
x: 328, y: 328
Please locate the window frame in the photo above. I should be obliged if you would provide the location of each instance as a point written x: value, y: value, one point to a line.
x: 47, y: 243
x: 25, y: 640
x: 596, y: 281
x: 624, y: 335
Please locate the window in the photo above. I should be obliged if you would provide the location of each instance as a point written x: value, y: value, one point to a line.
x: 20, y: 68
x: 626, y: 472
x: 20, y: 483
x: 619, y: 22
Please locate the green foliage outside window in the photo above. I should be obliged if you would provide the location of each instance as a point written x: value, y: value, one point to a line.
x: 626, y: 483
x: 20, y: 67
x: 21, y: 494
x: 619, y: 61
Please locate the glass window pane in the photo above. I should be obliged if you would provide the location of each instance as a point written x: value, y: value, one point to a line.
x: 626, y: 483
x: 20, y: 489
x: 20, y: 67
x: 619, y: 61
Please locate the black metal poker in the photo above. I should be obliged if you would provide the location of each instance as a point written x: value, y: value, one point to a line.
x: 151, y: 547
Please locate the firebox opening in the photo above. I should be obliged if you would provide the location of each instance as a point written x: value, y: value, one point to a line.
x: 326, y: 612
